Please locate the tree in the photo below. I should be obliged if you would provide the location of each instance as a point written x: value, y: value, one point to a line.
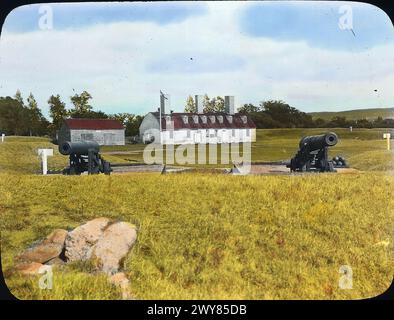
x: 37, y: 123
x: 248, y: 108
x: 340, y: 122
x: 207, y: 105
x: 320, y: 123
x: 133, y: 127
x: 57, y: 111
x: 218, y: 104
x: 13, y: 116
x: 81, y: 105
x: 287, y: 116
x: 190, y: 105
x: 18, y: 97
x: 130, y: 121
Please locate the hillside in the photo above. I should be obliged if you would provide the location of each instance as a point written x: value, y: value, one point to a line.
x: 212, y: 236
x: 356, y: 114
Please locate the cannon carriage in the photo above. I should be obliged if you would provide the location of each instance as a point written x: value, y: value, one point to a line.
x: 84, y: 157
x: 312, y: 154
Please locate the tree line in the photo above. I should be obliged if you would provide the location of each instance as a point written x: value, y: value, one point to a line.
x: 19, y: 117
x: 278, y: 114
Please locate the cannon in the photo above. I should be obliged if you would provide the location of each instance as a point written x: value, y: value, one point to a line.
x: 84, y: 156
x: 312, y: 154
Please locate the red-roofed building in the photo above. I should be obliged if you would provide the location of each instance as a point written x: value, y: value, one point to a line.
x: 104, y: 131
x: 198, y: 127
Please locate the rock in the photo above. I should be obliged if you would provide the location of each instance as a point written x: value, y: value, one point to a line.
x: 120, y: 280
x: 58, y: 236
x: 79, y: 242
x: 29, y: 268
x: 51, y: 247
x: 55, y: 261
x: 113, y: 246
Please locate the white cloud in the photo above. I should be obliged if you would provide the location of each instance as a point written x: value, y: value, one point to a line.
x: 111, y: 62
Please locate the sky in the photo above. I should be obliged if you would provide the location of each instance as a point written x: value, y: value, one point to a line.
x: 316, y: 56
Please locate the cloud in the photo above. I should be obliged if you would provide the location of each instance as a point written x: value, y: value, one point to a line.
x: 124, y: 65
x: 196, y: 62
x: 318, y: 24
x: 79, y: 15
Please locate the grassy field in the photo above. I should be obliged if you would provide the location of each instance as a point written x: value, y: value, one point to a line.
x: 368, y: 114
x: 213, y: 236
x: 361, y: 147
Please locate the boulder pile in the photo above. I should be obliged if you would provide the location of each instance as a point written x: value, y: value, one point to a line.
x: 102, y: 242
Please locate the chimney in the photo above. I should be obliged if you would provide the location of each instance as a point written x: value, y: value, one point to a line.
x: 164, y: 102
x: 198, y: 99
x: 229, y: 104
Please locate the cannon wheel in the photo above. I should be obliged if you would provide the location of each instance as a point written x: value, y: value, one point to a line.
x: 106, y: 167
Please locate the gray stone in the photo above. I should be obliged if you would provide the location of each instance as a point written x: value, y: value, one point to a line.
x: 29, y: 268
x: 50, y: 248
x: 80, y: 241
x: 120, y: 280
x: 113, y: 246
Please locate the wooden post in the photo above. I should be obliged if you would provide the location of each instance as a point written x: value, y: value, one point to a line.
x: 44, y: 153
x: 387, y: 136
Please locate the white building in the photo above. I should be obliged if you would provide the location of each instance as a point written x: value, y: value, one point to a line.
x: 194, y: 128
x: 104, y: 131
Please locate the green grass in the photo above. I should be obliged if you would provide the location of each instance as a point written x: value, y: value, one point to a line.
x: 282, y: 144
x: 368, y: 114
x: 360, y: 147
x: 213, y: 236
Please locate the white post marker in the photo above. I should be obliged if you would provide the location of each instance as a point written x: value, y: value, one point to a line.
x: 351, y: 129
x: 2, y: 137
x: 45, y: 153
x: 387, y: 136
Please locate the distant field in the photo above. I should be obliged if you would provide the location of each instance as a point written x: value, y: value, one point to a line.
x: 364, y: 148
x: 282, y: 144
x: 356, y: 114
x: 213, y: 236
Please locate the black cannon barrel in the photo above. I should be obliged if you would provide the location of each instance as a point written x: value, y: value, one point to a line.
x: 67, y: 148
x: 318, y: 142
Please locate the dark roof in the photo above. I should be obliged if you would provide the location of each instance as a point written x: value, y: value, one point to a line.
x: 94, y: 124
x: 237, y: 122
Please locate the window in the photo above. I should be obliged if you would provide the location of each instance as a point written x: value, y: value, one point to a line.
x: 233, y: 132
x: 244, y: 119
x: 248, y: 132
x: 171, y: 134
x: 185, y: 119
x: 229, y: 119
x: 86, y: 136
x: 169, y: 123
x: 212, y: 119
x: 204, y: 119
x: 188, y: 134
x: 220, y: 119
x: 109, y: 138
x: 195, y: 119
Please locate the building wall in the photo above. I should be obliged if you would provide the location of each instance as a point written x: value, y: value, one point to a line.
x: 102, y: 137
x: 63, y: 134
x: 149, y: 128
x: 208, y: 136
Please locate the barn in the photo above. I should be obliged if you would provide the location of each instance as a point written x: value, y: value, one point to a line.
x: 106, y: 132
x: 199, y: 127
